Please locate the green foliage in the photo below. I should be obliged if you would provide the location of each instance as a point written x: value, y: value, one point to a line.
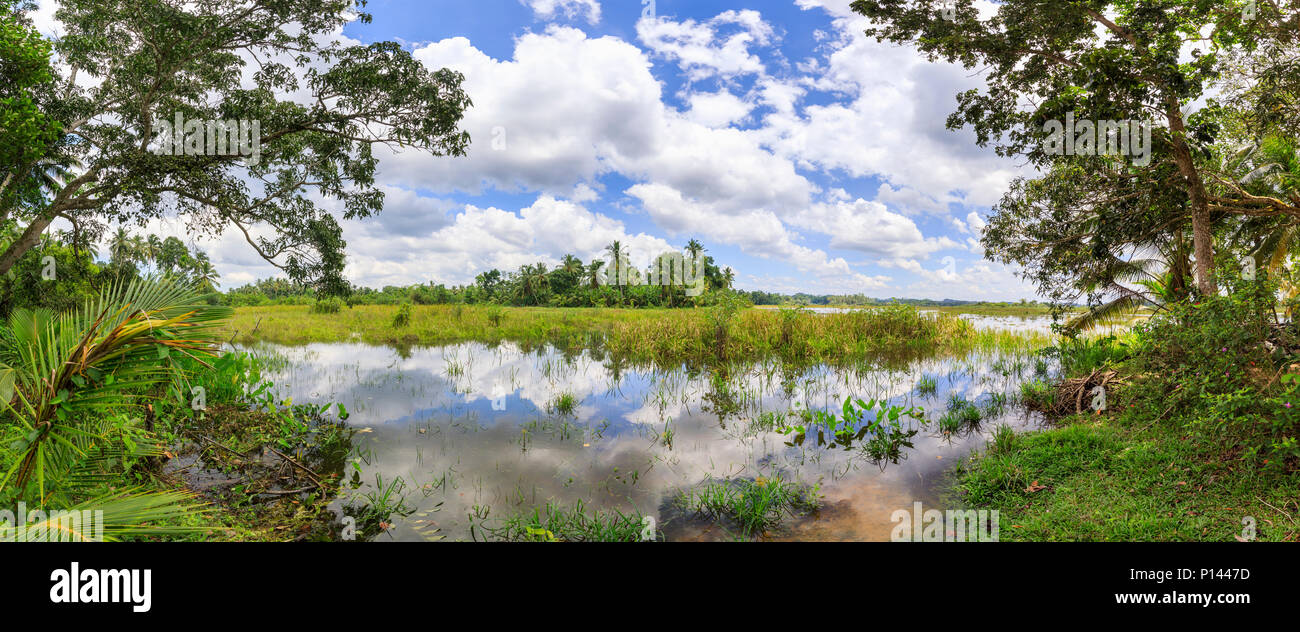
x: 26, y: 129
x: 1209, y: 365
x: 875, y: 426
x: 402, y: 318
x: 303, y: 149
x: 557, y: 523
x: 65, y: 380
x: 927, y: 385
x: 755, y: 506
x: 328, y: 305
x: 961, y: 414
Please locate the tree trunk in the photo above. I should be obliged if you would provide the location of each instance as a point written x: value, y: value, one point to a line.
x: 1202, y: 235
x: 24, y: 243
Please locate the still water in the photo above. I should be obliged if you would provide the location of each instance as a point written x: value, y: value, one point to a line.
x: 476, y: 433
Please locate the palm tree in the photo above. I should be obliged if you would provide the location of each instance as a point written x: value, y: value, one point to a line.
x: 728, y: 276
x: 593, y: 272
x: 122, y: 250
x: 1160, y: 280
x: 532, y: 282
x: 52, y: 174
x: 615, y: 251
x: 205, y: 274
x: 153, y: 248
x: 65, y: 425
x: 695, y: 248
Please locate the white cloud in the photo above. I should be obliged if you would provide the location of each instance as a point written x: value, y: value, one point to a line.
x: 717, y: 109
x: 548, y: 9
x: 700, y: 51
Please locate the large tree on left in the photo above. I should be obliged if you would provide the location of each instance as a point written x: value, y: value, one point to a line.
x: 123, y: 67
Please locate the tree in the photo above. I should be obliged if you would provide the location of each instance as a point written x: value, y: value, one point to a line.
x: 695, y: 248
x: 594, y: 273
x: 1100, y: 60
x: 205, y: 274
x: 152, y: 249
x: 26, y: 132
x: 617, y: 269
x: 153, y: 62
x: 121, y: 249
x: 173, y: 257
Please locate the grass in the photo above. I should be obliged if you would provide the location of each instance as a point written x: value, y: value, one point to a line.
x: 652, y: 335
x: 1104, y: 478
x: 559, y: 523
x: 927, y: 385
x: 564, y: 404
x: 961, y: 414
x: 754, y: 506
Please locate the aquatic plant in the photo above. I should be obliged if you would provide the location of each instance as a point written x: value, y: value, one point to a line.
x: 961, y: 413
x: 557, y: 523
x: 927, y: 385
x: 564, y: 404
x: 755, y: 506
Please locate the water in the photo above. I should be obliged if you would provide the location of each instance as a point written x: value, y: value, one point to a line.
x: 474, y: 433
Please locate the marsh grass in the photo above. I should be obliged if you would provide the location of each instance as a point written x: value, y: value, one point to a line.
x: 927, y: 385
x: 961, y: 414
x: 665, y: 337
x: 558, y: 523
x: 753, y: 506
x: 564, y: 404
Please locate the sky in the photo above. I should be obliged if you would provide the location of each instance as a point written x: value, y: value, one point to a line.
x: 801, y: 153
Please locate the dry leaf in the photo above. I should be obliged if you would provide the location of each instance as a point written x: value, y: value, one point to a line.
x: 1034, y: 486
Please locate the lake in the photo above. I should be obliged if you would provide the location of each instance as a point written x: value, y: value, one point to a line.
x: 469, y: 434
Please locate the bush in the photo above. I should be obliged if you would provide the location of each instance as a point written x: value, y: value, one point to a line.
x: 330, y: 305
x: 1213, y: 364
x: 403, y: 316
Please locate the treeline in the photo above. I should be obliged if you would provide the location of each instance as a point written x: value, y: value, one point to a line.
x: 62, y: 270
x: 759, y: 297
x: 573, y: 283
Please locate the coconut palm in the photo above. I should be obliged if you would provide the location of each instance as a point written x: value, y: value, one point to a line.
x: 695, y: 248
x: 617, y: 254
x: 65, y: 381
x: 52, y: 174
x: 593, y: 273
x: 728, y: 277
x: 532, y: 282
x: 205, y: 274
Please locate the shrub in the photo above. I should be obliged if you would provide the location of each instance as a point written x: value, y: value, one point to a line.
x: 1212, y: 364
x: 330, y: 305
x: 403, y: 316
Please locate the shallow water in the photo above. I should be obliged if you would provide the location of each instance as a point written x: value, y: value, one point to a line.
x: 474, y: 434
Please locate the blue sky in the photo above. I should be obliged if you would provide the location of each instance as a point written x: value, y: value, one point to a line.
x: 804, y: 155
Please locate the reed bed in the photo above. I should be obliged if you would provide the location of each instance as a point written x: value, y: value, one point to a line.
x: 659, y: 336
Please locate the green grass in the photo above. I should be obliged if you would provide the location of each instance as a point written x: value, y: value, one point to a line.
x: 960, y: 414
x: 927, y: 385
x: 652, y: 335
x: 564, y: 404
x: 754, y: 506
x: 558, y: 523
x: 1106, y: 479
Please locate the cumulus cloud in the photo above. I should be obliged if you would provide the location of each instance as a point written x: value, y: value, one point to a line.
x: 548, y: 9
x: 701, y: 49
